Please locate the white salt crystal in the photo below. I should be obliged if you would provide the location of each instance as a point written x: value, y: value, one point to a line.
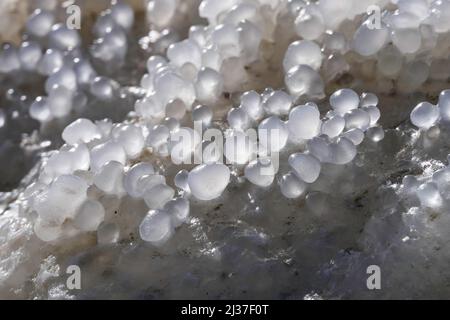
x: 110, y: 178
x: 304, y: 122
x: 344, y: 100
x: 81, y: 130
x: 208, y: 181
x: 134, y: 174
x: 291, y: 186
x: 305, y: 166
x: 424, y: 115
x: 302, y: 52
x: 260, y: 172
x: 89, y: 216
x: 156, y: 227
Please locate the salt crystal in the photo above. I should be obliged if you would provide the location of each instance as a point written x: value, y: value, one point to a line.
x: 208, y: 181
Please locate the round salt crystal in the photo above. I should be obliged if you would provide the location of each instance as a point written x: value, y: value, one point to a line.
x: 176, y: 109
x: 108, y: 233
x: 110, y: 178
x: 368, y: 99
x: 238, y: 119
x: 304, y: 122
x: 130, y: 137
x: 178, y: 210
x: 51, y: 61
x: 408, y: 41
x: 343, y: 151
x: 103, y: 88
x: 169, y: 85
x: 40, y: 23
x: 9, y: 59
x: 375, y: 134
x: 333, y: 126
x: 149, y: 181
x: 374, y: 114
x: 84, y: 72
x: 428, y: 194
x: 133, y: 175
x: 419, y: 8
x: 334, y: 12
x: 65, y: 77
x: 251, y: 104
x: 305, y: 166
x: 80, y: 157
x: 181, y: 180
x: 40, y: 109
x: 149, y: 107
x: 444, y: 105
x: 63, y: 38
x: 355, y: 135
x: 368, y: 41
x: 81, y: 130
x: 260, y: 172
x: 208, y: 181
x: 158, y: 136
x: 239, y: 148
x: 309, y: 24
x: 161, y: 12
x: 357, y: 118
x: 304, y: 80
x: 320, y: 148
x: 291, y: 186
x: 60, y: 101
x: 171, y: 123
x: 424, y: 115
x: 202, y: 114
x: 278, y: 103
x: 103, y: 24
x: 226, y: 38
x: 62, y: 199
x: 211, y: 58
x: 29, y: 54
x: 156, y: 227
x: 183, y: 52
x: 155, y: 62
x: 302, y: 52
x: 344, y: 100
x: 106, y: 152
x: 47, y: 231
x: 89, y: 216
x: 208, y: 85
x: 198, y: 34
x: 123, y: 15
x: 157, y: 196
x: 273, y: 134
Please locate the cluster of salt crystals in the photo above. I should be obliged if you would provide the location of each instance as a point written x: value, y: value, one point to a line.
x: 96, y: 160
x: 431, y: 190
x: 53, y: 50
x: 406, y: 43
x: 210, y: 61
